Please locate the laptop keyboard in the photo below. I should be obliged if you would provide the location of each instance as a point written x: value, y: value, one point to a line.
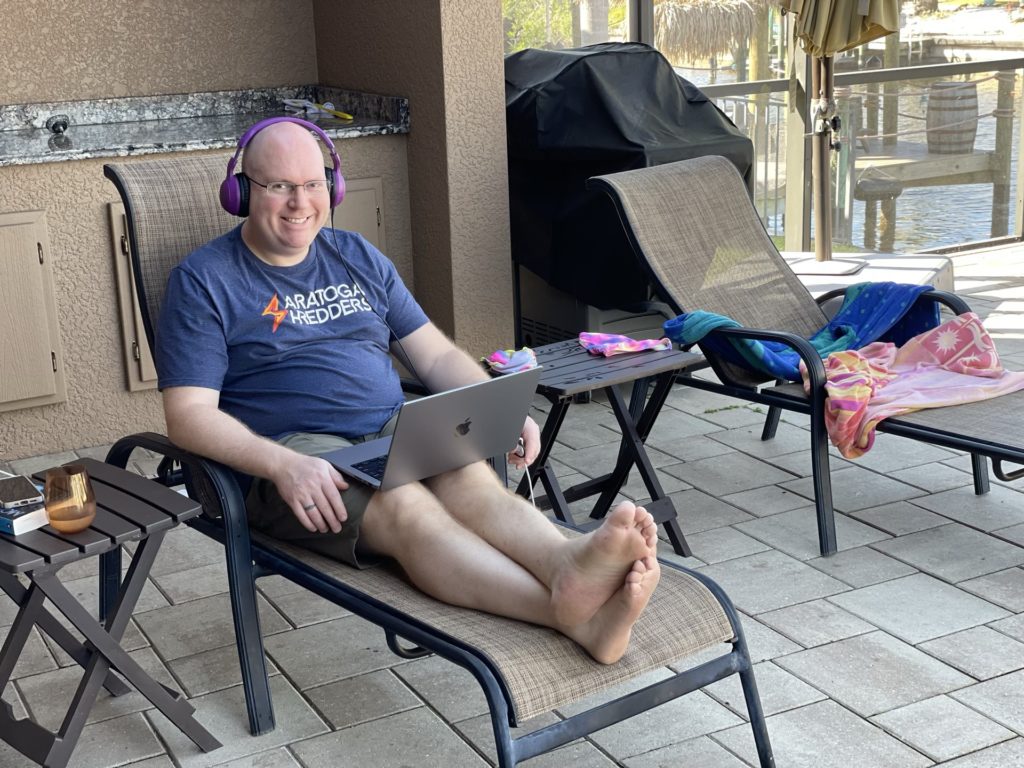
x: 373, y: 467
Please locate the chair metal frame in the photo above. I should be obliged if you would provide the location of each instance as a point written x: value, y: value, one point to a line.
x: 225, y: 520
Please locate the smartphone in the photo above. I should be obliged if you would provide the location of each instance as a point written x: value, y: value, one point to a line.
x: 17, y: 491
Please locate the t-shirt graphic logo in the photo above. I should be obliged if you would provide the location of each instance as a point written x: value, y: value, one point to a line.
x: 272, y: 310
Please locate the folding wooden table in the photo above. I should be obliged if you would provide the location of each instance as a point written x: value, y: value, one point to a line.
x: 129, y: 508
x: 569, y: 371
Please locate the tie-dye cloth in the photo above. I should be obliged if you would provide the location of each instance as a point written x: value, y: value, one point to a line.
x: 952, y: 364
x: 609, y: 344
x: 870, y: 312
x: 511, y: 360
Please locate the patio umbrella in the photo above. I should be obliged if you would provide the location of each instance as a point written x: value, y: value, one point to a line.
x: 825, y: 28
x: 828, y: 27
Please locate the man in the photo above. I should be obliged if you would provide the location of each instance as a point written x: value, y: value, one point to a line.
x: 273, y: 345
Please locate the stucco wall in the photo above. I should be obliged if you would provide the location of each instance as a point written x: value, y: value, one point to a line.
x: 99, y: 408
x: 446, y: 58
x: 92, y: 49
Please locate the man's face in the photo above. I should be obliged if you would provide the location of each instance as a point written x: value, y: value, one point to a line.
x: 280, y: 228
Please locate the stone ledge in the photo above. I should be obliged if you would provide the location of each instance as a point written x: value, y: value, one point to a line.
x: 145, y: 125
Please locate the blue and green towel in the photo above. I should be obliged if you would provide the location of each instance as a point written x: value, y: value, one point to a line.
x: 870, y: 312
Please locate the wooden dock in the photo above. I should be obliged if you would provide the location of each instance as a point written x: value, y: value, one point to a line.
x: 910, y: 164
x: 880, y: 177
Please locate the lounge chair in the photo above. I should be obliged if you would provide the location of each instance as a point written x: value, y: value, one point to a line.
x: 694, y: 230
x: 524, y: 670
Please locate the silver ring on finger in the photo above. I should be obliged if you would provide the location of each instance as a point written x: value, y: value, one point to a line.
x: 308, y: 507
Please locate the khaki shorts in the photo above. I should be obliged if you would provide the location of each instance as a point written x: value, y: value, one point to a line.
x: 269, y: 514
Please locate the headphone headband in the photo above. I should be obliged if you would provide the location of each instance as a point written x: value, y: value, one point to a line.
x: 234, y: 190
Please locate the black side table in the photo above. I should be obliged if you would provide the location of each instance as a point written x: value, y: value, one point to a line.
x: 128, y: 508
x: 569, y: 370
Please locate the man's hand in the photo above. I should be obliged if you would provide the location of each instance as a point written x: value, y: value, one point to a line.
x: 310, y: 486
x: 527, y: 451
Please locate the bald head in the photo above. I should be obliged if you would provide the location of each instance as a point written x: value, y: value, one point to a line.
x: 265, y: 152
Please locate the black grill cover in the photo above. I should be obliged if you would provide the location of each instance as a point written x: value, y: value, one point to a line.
x: 577, y: 113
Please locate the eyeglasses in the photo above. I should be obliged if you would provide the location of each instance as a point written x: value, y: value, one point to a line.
x: 286, y: 188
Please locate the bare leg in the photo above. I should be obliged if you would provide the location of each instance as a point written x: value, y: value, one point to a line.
x: 452, y: 563
x: 582, y: 573
x: 446, y: 560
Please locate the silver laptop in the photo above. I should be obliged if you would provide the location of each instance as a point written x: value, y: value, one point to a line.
x: 442, y: 432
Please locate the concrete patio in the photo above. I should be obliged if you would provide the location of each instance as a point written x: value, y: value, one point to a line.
x: 904, y: 650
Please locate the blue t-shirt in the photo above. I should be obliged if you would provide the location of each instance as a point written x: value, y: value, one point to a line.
x: 290, y: 349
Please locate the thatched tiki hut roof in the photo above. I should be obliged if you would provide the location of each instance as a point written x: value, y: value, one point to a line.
x: 689, y: 30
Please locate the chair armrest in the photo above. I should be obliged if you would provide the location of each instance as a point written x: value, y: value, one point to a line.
x: 212, y: 484
x: 955, y: 303
x: 414, y: 387
x: 826, y: 297
x: 151, y: 441
x: 808, y: 354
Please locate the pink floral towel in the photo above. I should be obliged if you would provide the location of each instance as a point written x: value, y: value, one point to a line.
x: 609, y: 344
x: 951, y: 364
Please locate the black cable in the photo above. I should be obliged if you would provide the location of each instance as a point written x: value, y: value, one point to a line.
x: 353, y: 276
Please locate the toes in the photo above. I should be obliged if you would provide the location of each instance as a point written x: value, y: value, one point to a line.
x: 635, y: 577
x: 628, y: 513
x: 645, y: 566
x: 650, y: 534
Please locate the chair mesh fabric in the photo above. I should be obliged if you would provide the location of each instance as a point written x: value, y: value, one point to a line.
x: 543, y: 669
x: 697, y: 231
x: 175, y: 209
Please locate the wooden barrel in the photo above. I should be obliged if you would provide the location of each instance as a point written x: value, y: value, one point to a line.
x: 952, y: 117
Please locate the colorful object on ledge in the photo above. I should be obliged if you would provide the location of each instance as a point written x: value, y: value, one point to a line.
x: 511, y: 360
x: 310, y: 109
x: 609, y: 344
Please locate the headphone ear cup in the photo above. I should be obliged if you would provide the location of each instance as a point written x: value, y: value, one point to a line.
x: 234, y: 195
x: 242, y: 182
x: 336, y: 185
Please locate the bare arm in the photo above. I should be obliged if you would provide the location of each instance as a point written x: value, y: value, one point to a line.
x: 442, y: 366
x: 196, y: 423
x: 439, y: 363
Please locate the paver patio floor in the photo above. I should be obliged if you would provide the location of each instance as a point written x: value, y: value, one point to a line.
x: 905, y: 649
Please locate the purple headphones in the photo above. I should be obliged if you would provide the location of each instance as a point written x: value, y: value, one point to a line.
x: 234, y: 190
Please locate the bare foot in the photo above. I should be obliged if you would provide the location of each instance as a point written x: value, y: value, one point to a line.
x: 606, y: 636
x: 595, y: 565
